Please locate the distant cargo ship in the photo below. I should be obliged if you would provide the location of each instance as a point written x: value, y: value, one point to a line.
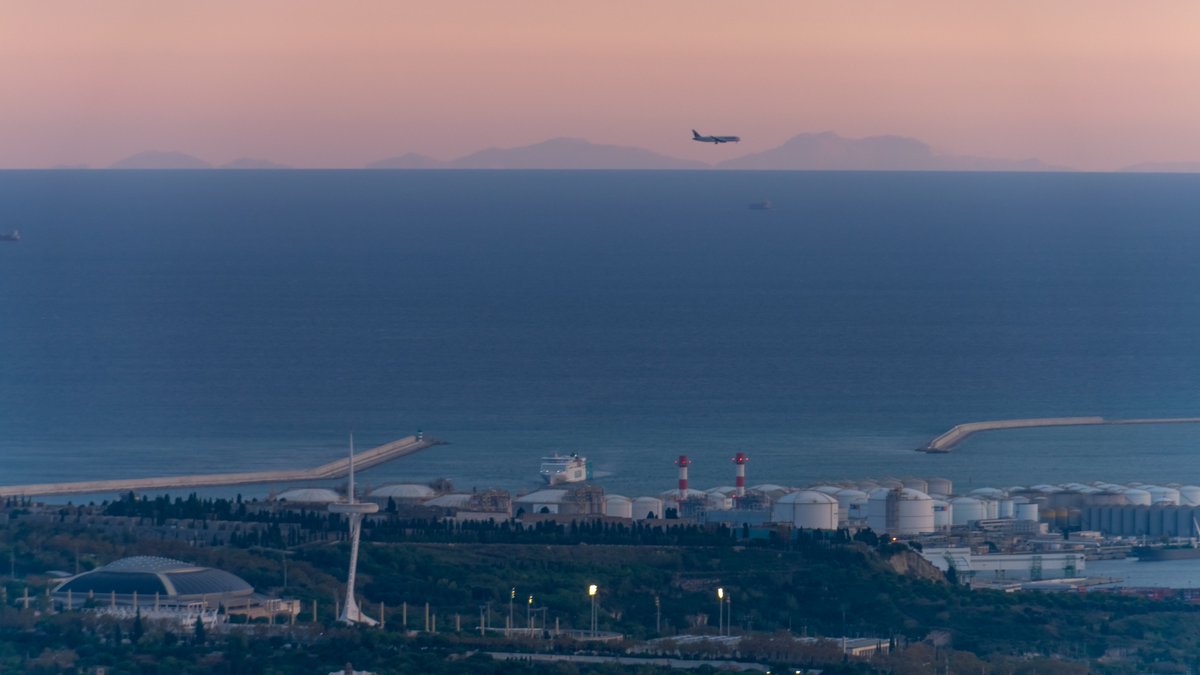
x: 764, y: 205
x: 558, y: 469
x: 11, y: 236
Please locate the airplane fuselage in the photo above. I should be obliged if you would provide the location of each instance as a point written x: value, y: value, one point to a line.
x: 714, y: 139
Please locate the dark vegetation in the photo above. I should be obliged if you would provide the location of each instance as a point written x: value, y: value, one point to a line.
x: 813, y: 584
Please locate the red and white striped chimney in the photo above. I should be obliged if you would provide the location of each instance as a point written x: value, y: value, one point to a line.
x: 740, y: 481
x: 683, y: 462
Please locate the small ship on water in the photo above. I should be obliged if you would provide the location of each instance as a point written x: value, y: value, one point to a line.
x: 15, y: 235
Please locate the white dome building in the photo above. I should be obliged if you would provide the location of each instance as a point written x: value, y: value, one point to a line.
x: 403, y: 492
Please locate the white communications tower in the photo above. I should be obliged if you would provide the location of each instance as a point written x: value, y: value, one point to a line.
x: 354, y: 511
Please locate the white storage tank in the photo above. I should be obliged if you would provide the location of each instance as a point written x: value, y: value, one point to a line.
x: 891, y: 483
x: 1108, y: 497
x: 877, y: 509
x: 1189, y: 495
x: 918, y: 484
x: 715, y: 501
x: 1163, y: 495
x: 988, y: 493
x: 827, y: 489
x: 1137, y: 497
x: 915, y: 512
x: 852, y: 505
x: 617, y: 506
x: 647, y: 507
x: 967, y: 510
x: 941, y: 486
x: 1026, y: 510
x: 1006, y: 509
x: 808, y: 509
x: 943, y: 515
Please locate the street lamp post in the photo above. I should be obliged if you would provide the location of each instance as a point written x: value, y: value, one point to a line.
x: 529, y: 614
x: 512, y: 595
x: 592, y: 594
x: 657, y: 615
x: 720, y: 609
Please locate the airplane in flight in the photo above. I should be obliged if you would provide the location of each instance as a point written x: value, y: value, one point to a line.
x: 714, y: 139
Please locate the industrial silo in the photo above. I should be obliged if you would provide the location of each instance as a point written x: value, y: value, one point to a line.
x: 852, y: 505
x: 918, y: 484
x: 617, y: 506
x: 877, y: 509
x: 1138, y: 497
x: 1189, y: 495
x: 939, y: 486
x: 943, y: 515
x: 1025, y: 510
x: 807, y: 509
x: 915, y: 512
x: 647, y: 507
x: 967, y: 510
x: 1163, y: 495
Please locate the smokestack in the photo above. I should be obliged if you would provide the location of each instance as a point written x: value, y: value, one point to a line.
x: 740, y: 481
x: 683, y: 462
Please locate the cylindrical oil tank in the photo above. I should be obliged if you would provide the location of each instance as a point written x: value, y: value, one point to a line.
x: 1186, y: 522
x: 807, y: 509
x: 1027, y: 511
x: 1129, y: 524
x: 918, y: 484
x: 891, y: 483
x: 1163, y: 495
x: 1189, y: 495
x: 1155, y: 521
x: 1006, y: 509
x: 915, y: 512
x: 715, y: 501
x: 827, y: 489
x: 943, y: 514
x: 987, y: 493
x: 992, y: 507
x: 617, y: 506
x: 1138, y: 497
x: 852, y: 505
x: 877, y: 509
x: 967, y: 510
x: 1107, y: 498
x: 941, y: 486
x: 1141, y: 520
x: 867, y: 485
x: 647, y: 507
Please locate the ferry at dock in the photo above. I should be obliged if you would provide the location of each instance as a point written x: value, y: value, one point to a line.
x: 558, y: 469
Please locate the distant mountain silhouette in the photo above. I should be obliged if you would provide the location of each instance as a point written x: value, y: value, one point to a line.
x: 1163, y: 167
x: 830, y: 152
x: 251, y: 163
x: 409, y: 160
x: 571, y: 153
x: 161, y: 160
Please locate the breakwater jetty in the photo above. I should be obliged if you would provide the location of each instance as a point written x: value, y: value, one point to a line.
x: 365, y: 460
x: 962, y: 432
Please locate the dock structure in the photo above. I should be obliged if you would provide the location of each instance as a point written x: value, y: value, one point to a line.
x: 961, y: 432
x: 373, y: 457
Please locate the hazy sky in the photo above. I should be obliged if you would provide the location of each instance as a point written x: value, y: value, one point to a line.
x: 1090, y: 83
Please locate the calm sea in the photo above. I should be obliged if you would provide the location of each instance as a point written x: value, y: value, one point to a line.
x: 176, y: 322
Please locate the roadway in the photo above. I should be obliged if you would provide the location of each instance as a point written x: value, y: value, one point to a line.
x: 363, y: 460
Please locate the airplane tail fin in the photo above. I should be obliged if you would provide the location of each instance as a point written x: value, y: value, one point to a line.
x: 695, y: 134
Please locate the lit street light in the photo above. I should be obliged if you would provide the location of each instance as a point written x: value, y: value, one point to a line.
x: 720, y: 608
x: 592, y: 594
x: 528, y: 613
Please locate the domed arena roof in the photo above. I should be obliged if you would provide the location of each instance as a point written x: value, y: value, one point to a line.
x: 309, y: 496
x: 404, y: 491
x: 173, y: 580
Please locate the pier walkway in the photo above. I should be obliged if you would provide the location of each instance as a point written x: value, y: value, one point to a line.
x: 364, y: 460
x: 961, y: 432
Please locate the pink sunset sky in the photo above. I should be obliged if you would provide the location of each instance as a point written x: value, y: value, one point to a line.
x: 1094, y: 84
